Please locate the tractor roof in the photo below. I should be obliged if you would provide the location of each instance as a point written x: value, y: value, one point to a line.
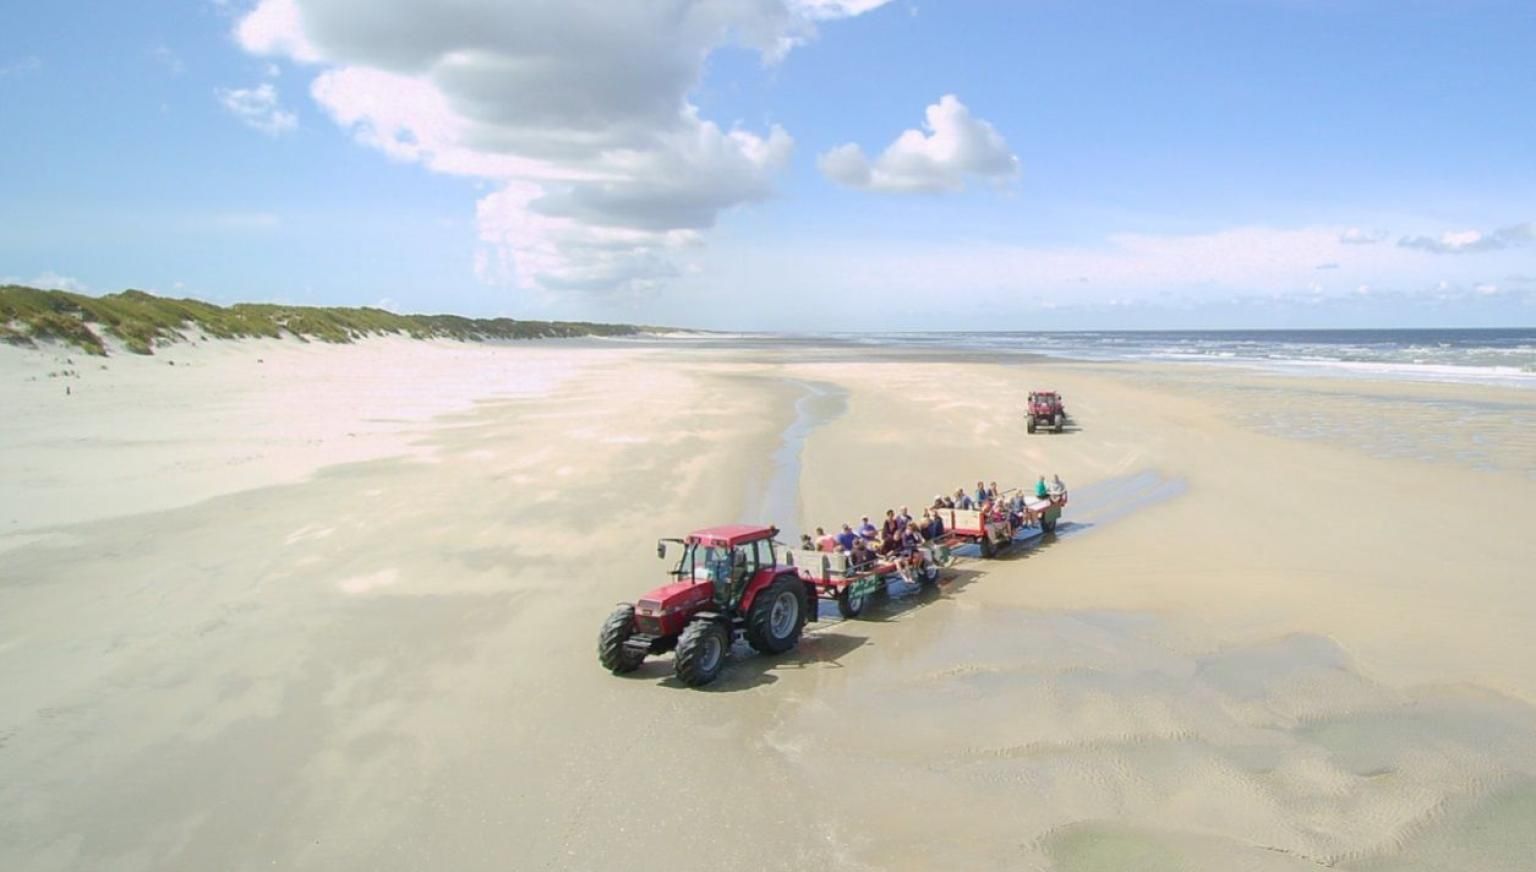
x: 731, y: 535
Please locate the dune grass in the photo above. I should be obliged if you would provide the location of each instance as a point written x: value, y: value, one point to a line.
x: 143, y: 321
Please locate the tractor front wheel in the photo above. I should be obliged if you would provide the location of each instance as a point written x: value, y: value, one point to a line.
x: 1060, y: 421
x: 701, y: 651
x: 1030, y: 424
x: 610, y: 642
x: 777, y: 616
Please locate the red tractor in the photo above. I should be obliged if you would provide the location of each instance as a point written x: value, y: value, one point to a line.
x: 727, y: 582
x: 1045, y: 410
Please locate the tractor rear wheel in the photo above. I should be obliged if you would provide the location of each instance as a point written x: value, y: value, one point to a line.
x: 777, y: 616
x: 610, y: 642
x: 701, y: 651
x: 988, y: 550
x: 849, y: 604
x: 1059, y: 421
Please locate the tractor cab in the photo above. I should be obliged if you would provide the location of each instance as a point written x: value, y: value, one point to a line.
x: 726, y: 557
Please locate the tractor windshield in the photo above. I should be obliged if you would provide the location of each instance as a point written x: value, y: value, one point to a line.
x: 703, y: 562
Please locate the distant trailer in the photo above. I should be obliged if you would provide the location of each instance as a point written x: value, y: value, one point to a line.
x: 1001, y: 526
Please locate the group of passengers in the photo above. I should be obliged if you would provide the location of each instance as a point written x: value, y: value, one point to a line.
x: 901, y: 539
x: 904, y: 539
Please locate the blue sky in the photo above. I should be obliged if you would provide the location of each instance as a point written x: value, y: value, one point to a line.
x: 766, y: 164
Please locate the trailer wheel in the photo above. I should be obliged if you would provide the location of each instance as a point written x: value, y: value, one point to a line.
x: 1059, y: 421
x: 929, y: 576
x: 701, y: 651
x: 849, y: 604
x: 777, y: 616
x: 610, y: 642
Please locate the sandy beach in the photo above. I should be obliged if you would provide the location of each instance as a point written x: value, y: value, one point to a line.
x: 301, y: 606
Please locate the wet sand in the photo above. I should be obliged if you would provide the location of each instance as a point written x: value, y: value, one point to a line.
x: 1253, y: 645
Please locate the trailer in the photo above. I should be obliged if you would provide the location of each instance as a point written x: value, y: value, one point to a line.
x: 833, y: 577
x: 999, y: 527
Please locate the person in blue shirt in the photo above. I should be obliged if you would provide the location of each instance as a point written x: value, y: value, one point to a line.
x: 981, y: 493
x: 961, y: 500
x: 845, y: 539
x: 867, y: 530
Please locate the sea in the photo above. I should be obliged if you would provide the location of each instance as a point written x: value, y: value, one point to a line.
x: 1489, y: 356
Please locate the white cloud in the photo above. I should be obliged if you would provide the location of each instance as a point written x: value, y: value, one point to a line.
x: 1468, y: 241
x: 169, y: 60
x: 258, y: 108
x: 952, y: 146
x: 826, y: 9
x: 20, y: 66
x: 49, y: 280
x: 1356, y: 236
x: 275, y: 27
x: 246, y: 220
x: 602, y: 165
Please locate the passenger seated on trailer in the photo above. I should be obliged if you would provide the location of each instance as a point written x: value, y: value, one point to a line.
x: 911, y: 549
x: 962, y: 500
x: 904, y: 517
x: 806, y: 543
x: 845, y: 539
x: 860, y: 556
x: 866, y: 529
x: 938, y: 502
x: 933, y: 525
x: 890, y: 532
x: 1018, y: 509
x: 824, y: 541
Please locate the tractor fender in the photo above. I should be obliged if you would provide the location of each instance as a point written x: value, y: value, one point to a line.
x: 769, y: 576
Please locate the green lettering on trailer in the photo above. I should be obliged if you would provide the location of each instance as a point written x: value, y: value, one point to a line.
x: 866, y: 585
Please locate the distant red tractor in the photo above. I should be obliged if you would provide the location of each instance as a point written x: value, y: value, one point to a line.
x: 1045, y: 410
x: 728, y: 581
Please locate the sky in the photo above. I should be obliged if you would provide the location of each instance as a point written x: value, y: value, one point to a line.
x: 785, y: 164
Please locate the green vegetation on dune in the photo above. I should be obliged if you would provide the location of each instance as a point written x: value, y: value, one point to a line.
x: 142, y: 321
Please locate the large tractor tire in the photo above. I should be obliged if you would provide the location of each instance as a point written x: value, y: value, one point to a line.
x: 851, y: 605
x: 777, y: 616
x: 1059, y: 421
x: 701, y: 650
x: 988, y: 550
x: 610, y: 642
